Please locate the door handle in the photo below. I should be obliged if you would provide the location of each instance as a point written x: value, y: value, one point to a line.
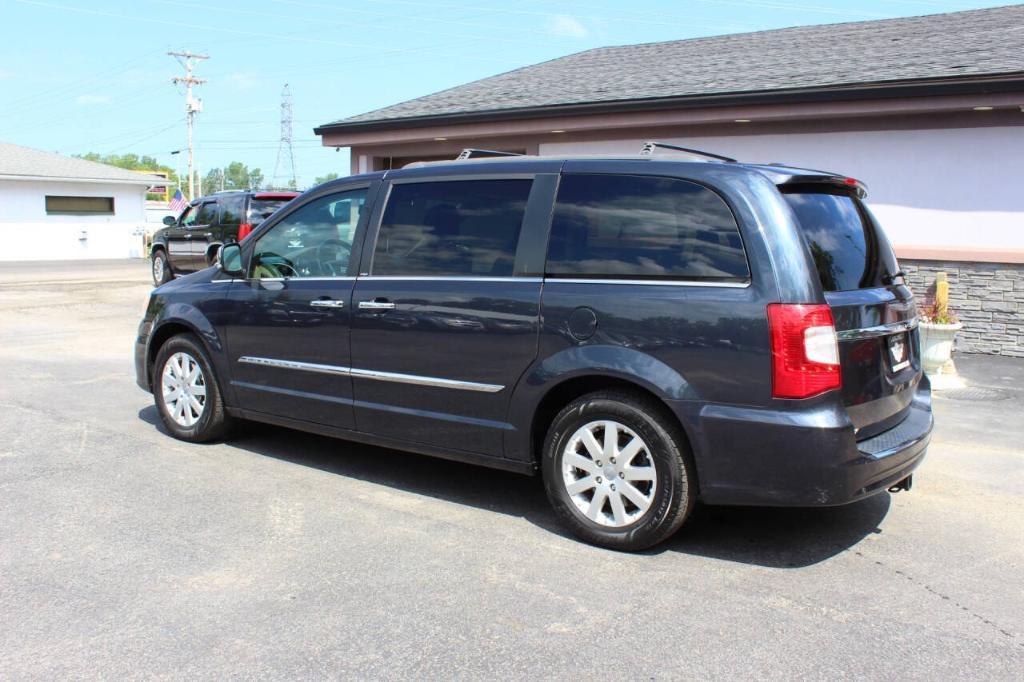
x: 188, y: 235
x: 376, y: 305
x: 327, y: 303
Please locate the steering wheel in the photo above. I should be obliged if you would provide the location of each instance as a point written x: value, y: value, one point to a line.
x: 327, y: 265
x: 272, y: 266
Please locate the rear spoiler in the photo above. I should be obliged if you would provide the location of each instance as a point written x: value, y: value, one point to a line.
x: 793, y: 182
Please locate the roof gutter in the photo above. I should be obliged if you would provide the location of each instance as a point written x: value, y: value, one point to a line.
x: 969, y: 85
x: 95, y: 181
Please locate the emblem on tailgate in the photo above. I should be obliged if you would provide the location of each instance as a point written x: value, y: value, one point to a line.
x: 898, y: 350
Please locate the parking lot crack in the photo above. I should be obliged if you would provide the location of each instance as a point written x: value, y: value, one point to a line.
x: 944, y: 597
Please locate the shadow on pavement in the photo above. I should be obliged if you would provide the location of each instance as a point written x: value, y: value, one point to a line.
x: 770, y: 537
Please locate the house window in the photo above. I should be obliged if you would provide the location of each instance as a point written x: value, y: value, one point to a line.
x: 80, y: 205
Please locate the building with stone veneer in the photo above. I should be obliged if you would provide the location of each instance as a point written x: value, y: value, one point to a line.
x: 927, y: 111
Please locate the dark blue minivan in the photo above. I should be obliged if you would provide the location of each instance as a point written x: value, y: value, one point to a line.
x: 644, y: 331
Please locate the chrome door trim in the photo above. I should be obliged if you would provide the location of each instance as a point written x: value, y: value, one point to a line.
x: 300, y: 279
x: 374, y: 375
x: 444, y: 278
x: 293, y: 364
x: 655, y: 282
x: 426, y: 381
x: 879, y: 330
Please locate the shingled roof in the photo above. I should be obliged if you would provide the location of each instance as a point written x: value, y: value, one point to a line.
x: 17, y: 162
x: 958, y: 47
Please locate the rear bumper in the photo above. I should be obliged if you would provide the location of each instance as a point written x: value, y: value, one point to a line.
x: 802, y: 458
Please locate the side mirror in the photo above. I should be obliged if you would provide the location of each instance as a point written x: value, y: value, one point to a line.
x: 229, y: 258
x: 170, y: 220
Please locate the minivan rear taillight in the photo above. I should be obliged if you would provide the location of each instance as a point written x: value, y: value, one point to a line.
x: 805, y: 353
x: 243, y: 230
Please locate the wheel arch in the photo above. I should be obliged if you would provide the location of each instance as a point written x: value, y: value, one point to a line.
x: 573, y: 371
x: 211, y: 252
x: 563, y: 392
x: 181, y: 318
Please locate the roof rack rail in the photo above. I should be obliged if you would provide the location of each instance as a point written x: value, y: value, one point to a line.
x: 651, y: 145
x: 470, y: 153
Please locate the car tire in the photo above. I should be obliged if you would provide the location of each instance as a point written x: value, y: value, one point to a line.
x: 161, y: 269
x: 189, y: 403
x: 637, y: 496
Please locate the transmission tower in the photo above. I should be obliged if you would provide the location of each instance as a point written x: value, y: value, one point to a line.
x: 285, y: 153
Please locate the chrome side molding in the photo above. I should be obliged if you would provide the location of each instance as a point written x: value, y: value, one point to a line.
x: 880, y: 330
x: 291, y: 364
x: 374, y: 375
x: 426, y: 381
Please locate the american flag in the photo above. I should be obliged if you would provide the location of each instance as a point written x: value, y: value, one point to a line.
x: 178, y: 202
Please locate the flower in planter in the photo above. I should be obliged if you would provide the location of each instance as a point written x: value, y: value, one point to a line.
x: 935, y: 309
x: 938, y: 329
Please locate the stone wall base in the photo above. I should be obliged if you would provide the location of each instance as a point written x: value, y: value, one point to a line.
x: 987, y: 297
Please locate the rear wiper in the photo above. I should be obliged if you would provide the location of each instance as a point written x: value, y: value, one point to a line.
x: 889, y: 279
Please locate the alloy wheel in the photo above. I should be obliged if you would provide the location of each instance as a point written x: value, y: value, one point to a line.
x: 183, y: 386
x: 609, y: 473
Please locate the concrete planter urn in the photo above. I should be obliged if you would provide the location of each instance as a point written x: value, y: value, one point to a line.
x: 937, y: 344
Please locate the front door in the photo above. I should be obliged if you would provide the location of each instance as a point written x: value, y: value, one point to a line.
x: 443, y: 328
x: 288, y: 342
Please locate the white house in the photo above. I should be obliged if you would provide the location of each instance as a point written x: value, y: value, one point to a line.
x: 54, y: 207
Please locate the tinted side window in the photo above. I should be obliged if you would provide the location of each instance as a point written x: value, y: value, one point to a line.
x: 632, y: 226
x: 467, y: 228
x: 313, y: 241
x: 207, y: 213
x: 261, y: 209
x: 188, y: 217
x: 231, y: 209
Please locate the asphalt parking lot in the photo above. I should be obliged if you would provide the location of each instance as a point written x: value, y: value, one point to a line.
x: 124, y: 553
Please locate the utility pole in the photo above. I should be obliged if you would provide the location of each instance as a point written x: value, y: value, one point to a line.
x: 285, y: 152
x: 192, y: 106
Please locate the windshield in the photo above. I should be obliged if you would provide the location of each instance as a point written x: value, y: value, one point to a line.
x: 849, y: 248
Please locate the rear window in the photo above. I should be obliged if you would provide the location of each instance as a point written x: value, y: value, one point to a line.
x: 260, y: 209
x: 639, y: 227
x: 850, y: 250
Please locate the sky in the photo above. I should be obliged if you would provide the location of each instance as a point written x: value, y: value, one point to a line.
x: 94, y: 76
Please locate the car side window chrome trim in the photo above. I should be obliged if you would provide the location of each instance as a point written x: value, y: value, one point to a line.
x: 445, y: 278
x: 348, y: 278
x: 655, y: 282
x: 880, y: 330
x: 372, y: 374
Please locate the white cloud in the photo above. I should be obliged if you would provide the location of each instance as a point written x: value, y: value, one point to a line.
x: 567, y: 26
x: 92, y: 99
x: 242, y: 80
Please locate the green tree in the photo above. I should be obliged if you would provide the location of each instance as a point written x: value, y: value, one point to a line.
x: 326, y: 178
x: 136, y: 163
x: 236, y: 175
